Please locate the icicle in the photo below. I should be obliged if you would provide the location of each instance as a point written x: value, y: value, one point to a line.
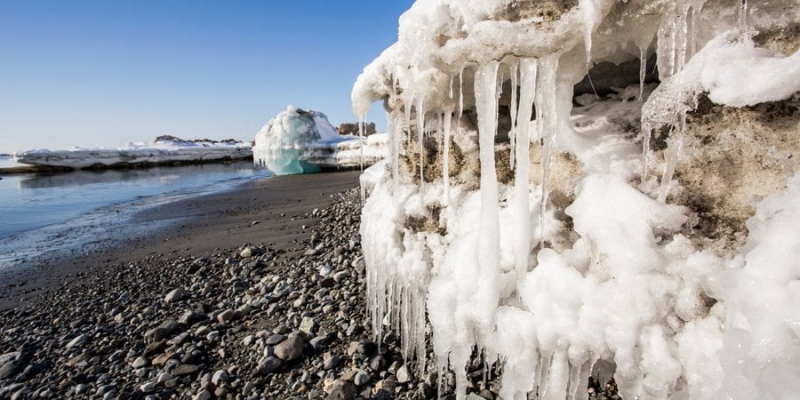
x: 547, y: 87
x: 361, y: 121
x: 558, y: 378
x: 460, y: 95
x: 394, y: 139
x: 489, y: 224
x: 591, y: 14
x: 512, y: 133
x: 451, y: 86
x: 642, y: 71
x: 743, y: 15
x: 522, y: 232
x: 448, y: 116
x: 421, y: 137
x: 673, y: 157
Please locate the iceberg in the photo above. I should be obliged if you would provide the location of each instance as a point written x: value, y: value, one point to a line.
x: 297, y: 141
x: 642, y: 235
x: 162, y: 151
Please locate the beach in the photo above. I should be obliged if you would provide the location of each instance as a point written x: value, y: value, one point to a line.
x: 254, y: 293
x: 271, y: 211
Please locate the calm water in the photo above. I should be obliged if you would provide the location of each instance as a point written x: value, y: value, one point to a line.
x: 70, y: 213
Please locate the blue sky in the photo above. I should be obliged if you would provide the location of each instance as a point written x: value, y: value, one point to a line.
x: 104, y: 73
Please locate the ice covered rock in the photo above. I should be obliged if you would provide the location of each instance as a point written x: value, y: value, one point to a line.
x: 565, y: 240
x: 298, y: 141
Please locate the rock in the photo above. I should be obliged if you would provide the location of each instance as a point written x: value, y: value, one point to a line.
x: 268, y: 366
x: 319, y: 343
x: 12, y: 356
x: 174, y: 296
x: 189, y: 318
x: 140, y: 362
x: 377, y: 363
x: 154, y: 348
x: 226, y: 316
x: 219, y: 377
x: 9, y: 369
x: 185, y: 369
x: 331, y: 361
x: 361, y: 378
x: 78, y: 341
x: 247, y: 252
x: 148, y: 387
x: 238, y: 286
x: 275, y: 339
x: 341, y: 275
x: 341, y: 390
x: 403, y: 375
x: 307, y: 325
x: 202, y: 395
x: 290, y: 349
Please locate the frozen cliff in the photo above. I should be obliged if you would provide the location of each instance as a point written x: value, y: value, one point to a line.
x: 298, y: 141
x: 646, y: 234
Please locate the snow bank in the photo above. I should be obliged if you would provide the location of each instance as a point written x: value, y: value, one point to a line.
x: 161, y: 151
x: 556, y: 240
x: 298, y: 141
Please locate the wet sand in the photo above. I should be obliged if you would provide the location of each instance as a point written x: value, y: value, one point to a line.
x: 272, y: 211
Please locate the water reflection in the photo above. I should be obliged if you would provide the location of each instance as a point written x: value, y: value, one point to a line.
x: 65, y: 213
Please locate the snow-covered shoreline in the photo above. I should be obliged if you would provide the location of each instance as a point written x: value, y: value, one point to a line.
x: 162, y: 151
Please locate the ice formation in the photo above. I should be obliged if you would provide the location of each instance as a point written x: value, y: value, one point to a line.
x: 561, y: 242
x: 298, y: 141
x: 164, y: 150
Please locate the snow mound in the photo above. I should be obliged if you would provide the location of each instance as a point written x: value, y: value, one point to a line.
x: 164, y: 150
x: 562, y: 242
x: 298, y: 141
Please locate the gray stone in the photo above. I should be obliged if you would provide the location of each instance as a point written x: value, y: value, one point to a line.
x: 174, y: 296
x: 219, y: 377
x: 226, y: 316
x: 202, y: 395
x: 185, y: 369
x: 268, y: 366
x: 275, y: 339
x: 341, y: 390
x: 307, y: 325
x: 9, y: 369
x: 403, y: 375
x: 331, y: 361
x: 290, y: 349
x: 190, y: 318
x: 361, y: 377
x: 140, y: 362
x: 78, y: 341
x: 148, y: 387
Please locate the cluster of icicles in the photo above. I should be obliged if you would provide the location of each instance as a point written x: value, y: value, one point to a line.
x: 401, y: 298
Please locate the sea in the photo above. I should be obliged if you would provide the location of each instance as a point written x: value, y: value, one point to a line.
x: 46, y: 216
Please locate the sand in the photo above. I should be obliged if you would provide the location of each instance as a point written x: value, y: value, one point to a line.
x: 271, y: 211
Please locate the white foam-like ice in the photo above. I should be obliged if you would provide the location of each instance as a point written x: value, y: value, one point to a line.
x: 619, y: 289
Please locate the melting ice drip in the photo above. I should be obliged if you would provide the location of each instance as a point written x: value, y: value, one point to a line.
x: 627, y: 294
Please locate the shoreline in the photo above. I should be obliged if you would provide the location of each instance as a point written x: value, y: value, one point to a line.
x: 195, y: 225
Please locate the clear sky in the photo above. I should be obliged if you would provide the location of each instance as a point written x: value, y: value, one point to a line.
x: 107, y: 72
